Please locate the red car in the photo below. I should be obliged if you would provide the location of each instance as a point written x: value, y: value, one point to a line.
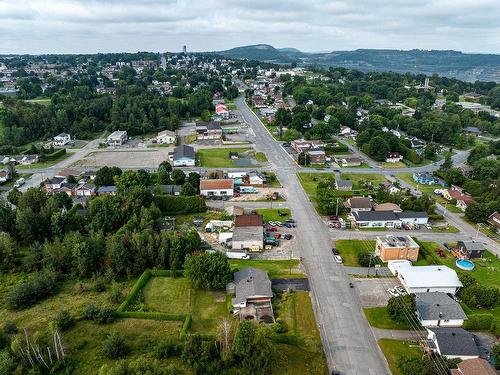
x: 277, y: 236
x: 272, y: 229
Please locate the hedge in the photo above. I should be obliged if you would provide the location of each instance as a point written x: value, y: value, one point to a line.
x: 139, y: 284
x: 166, y: 273
x: 172, y: 205
x: 185, y: 326
x: 478, y: 322
x: 153, y: 315
x: 340, y: 149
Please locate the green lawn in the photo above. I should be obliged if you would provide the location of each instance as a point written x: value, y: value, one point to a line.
x: 260, y: 157
x: 309, y: 181
x: 219, y: 157
x: 41, y: 101
x: 349, y: 250
x: 274, y: 268
x: 187, y: 219
x: 448, y: 229
x: 408, y: 178
x: 449, y: 207
x: 396, y: 349
x: 46, y: 164
x: 359, y: 179
x: 190, y: 138
x: 271, y: 214
x: 378, y: 317
x: 275, y: 182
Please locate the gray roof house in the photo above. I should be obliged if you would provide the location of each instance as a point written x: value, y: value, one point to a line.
x: 183, y: 156
x: 253, y: 295
x: 452, y: 343
x: 438, y: 309
x: 341, y: 184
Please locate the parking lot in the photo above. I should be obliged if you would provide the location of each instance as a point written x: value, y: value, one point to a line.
x: 147, y: 158
x: 373, y: 292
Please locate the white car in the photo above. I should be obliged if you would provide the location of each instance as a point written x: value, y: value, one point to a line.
x: 393, y: 292
x: 337, y: 258
x: 428, y: 226
x: 400, y: 290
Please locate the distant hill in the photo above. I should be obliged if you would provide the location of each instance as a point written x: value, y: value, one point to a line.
x: 464, y: 66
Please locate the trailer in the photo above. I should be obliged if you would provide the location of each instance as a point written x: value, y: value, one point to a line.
x: 237, y: 255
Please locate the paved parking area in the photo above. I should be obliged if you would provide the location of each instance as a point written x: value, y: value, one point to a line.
x: 373, y: 292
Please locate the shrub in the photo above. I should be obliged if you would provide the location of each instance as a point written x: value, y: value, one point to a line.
x: 10, y: 327
x: 64, y: 320
x: 114, y: 346
x: 480, y: 296
x: 90, y: 311
x: 116, y: 294
x: 168, y: 349
x: 44, y: 284
x: 365, y: 259
x: 4, y: 340
x: 99, y: 315
x: 98, y: 284
x: 172, y: 205
x: 402, y: 308
x: 279, y: 326
x: 139, y: 284
x: 208, y: 270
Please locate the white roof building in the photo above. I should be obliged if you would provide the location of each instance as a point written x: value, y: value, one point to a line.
x: 425, y: 279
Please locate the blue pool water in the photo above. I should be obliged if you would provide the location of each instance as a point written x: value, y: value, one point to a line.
x: 465, y: 264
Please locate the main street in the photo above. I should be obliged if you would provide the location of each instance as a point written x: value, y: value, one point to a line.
x: 348, y: 341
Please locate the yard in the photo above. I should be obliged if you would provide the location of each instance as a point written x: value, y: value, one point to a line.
x: 396, y: 349
x: 260, y: 157
x: 358, y: 180
x: 274, y: 268
x: 219, y: 157
x: 272, y: 214
x: 45, y: 164
x: 349, y: 250
x: 378, y: 317
x: 309, y: 181
x: 20, y: 175
x: 408, y: 178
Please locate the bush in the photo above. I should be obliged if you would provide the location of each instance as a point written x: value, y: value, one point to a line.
x: 44, y: 284
x: 481, y: 296
x: 279, y: 326
x: 478, y: 322
x: 98, y: 315
x: 365, y: 259
x: 114, y: 346
x: 435, y: 217
x: 168, y: 349
x: 139, y: 284
x: 172, y: 205
x: 10, y: 327
x: 64, y: 320
x: 116, y: 294
x: 98, y: 284
x: 4, y: 340
x: 208, y: 270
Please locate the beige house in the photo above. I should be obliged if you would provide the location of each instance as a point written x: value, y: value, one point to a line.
x: 396, y: 248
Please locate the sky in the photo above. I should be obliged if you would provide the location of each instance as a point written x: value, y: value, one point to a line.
x: 89, y: 26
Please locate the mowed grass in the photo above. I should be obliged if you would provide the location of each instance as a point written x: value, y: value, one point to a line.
x: 271, y: 214
x: 396, y: 349
x: 274, y: 268
x: 359, y: 179
x: 177, y: 296
x: 296, y: 310
x: 408, y: 178
x: 378, y: 317
x: 46, y: 164
x: 260, y: 157
x: 309, y: 181
x: 219, y: 157
x: 349, y: 250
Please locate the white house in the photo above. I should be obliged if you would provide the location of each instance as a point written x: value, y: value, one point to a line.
x: 438, y: 309
x: 166, y: 137
x: 394, y: 157
x: 217, y: 187
x: 117, y: 138
x: 425, y: 279
x: 452, y: 343
x: 85, y: 190
x: 62, y: 139
x: 4, y: 176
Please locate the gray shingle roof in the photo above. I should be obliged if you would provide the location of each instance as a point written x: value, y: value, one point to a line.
x: 471, y: 245
x: 438, y: 306
x: 455, y: 341
x: 251, y: 282
x: 184, y: 151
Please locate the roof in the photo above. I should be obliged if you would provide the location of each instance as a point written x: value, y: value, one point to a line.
x: 251, y: 282
x: 472, y: 129
x: 396, y: 241
x: 3, y: 173
x: 117, y: 134
x: 438, y: 306
x: 387, y: 207
x: 248, y: 221
x: 429, y: 277
x: 475, y: 366
x: 360, y: 202
x: 393, y: 155
x: 86, y: 187
x: 343, y: 183
x: 213, y: 184
x: 165, y: 133
x: 472, y: 245
x: 252, y: 233
x: 55, y: 180
x: 68, y: 172
x: 62, y: 135
x: 106, y: 189
x: 374, y: 215
x: 412, y: 214
x: 460, y: 197
x: 494, y: 219
x: 455, y: 341
x: 184, y: 151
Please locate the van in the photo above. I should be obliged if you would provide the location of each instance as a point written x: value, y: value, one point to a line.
x: 19, y: 182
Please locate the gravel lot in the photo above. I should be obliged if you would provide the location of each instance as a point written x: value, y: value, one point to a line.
x: 373, y: 292
x: 147, y: 158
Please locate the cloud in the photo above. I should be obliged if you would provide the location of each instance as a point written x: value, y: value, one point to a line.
x: 44, y: 26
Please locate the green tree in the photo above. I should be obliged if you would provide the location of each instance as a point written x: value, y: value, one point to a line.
x: 13, y: 196
x: 188, y: 189
x: 114, y: 346
x: 401, y: 308
x: 208, y: 270
x: 178, y: 177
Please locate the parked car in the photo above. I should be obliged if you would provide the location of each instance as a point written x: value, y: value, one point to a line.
x: 277, y: 236
x: 337, y: 258
x: 275, y: 195
x: 278, y: 223
x: 335, y: 251
x: 281, y: 213
x: 405, y: 226
x: 272, y: 229
x: 428, y: 226
x: 400, y: 290
x: 289, y: 225
x: 290, y: 220
x: 271, y: 223
x: 333, y: 224
x: 333, y: 218
x: 286, y: 144
x: 393, y: 292
x: 288, y: 236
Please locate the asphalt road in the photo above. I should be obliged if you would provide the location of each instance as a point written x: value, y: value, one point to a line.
x: 348, y: 341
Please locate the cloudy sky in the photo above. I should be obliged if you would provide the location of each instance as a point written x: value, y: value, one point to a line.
x: 86, y: 26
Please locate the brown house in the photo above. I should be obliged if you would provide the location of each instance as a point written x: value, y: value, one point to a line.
x: 396, y: 248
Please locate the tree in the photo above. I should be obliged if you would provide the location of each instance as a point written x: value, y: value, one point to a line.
x: 8, y: 252
x: 454, y: 176
x: 13, y: 196
x: 282, y: 118
x: 178, y: 177
x: 447, y: 163
x: 208, y: 270
x: 105, y: 176
x: 401, y: 309
x: 194, y: 179
x: 378, y: 148
x: 486, y: 169
x: 188, y: 189
x: 477, y: 212
x: 114, y: 346
x: 303, y: 159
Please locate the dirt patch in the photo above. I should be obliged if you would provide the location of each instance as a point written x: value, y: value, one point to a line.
x: 149, y: 158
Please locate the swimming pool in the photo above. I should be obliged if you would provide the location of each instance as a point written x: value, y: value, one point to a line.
x: 465, y: 264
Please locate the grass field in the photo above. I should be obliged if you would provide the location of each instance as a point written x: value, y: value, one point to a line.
x: 275, y: 182
x: 448, y: 229
x: 378, y: 317
x: 349, y: 250
x: 396, y: 349
x: 399, y: 164
x: 359, y: 179
x: 362, y: 165
x: 309, y: 181
x: 408, y: 178
x: 274, y: 268
x: 45, y: 164
x: 260, y: 157
x: 219, y: 157
x: 271, y: 214
x: 44, y: 102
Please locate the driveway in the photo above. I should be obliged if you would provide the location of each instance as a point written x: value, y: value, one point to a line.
x: 373, y: 292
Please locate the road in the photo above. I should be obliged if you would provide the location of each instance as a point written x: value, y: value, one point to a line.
x: 348, y: 341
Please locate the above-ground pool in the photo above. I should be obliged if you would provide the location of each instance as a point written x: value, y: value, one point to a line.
x: 465, y: 264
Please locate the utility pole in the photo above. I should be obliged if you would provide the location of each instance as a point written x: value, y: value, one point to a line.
x: 477, y: 230
x: 337, y: 209
x: 290, y: 263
